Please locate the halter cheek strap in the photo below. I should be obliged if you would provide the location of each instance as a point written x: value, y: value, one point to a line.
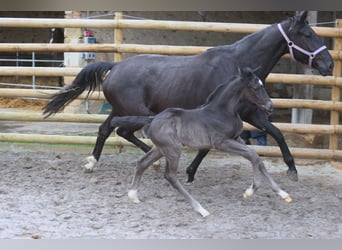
x: 292, y: 46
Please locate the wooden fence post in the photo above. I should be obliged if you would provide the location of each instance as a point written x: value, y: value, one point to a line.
x: 335, y: 97
x: 118, y: 37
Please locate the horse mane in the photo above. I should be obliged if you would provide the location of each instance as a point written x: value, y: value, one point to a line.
x: 218, y: 90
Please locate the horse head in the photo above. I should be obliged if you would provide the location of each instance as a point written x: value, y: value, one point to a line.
x: 304, y: 45
x: 254, y: 89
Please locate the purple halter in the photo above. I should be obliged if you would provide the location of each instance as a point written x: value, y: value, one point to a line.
x: 292, y: 46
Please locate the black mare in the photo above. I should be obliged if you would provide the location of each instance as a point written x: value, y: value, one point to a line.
x: 216, y: 124
x: 57, y: 36
x: 145, y: 84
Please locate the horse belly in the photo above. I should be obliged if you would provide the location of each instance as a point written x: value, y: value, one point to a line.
x: 194, y: 136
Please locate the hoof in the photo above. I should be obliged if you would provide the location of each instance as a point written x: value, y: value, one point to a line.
x: 288, y: 199
x: 248, y: 193
x: 292, y: 175
x: 191, y: 175
x: 133, y: 196
x: 201, y: 210
x: 89, y: 167
x: 246, y: 196
x: 188, y: 183
x: 190, y: 179
x: 156, y: 165
x: 204, y: 212
x: 87, y: 170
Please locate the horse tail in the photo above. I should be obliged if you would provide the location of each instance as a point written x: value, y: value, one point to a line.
x: 91, y: 76
x: 130, y: 121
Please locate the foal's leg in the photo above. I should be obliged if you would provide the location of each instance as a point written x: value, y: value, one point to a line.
x: 172, y: 155
x: 192, y: 169
x: 260, y: 120
x: 104, y: 131
x: 150, y: 157
x: 240, y: 148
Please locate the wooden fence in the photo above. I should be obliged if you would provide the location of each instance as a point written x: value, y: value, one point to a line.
x: 334, y: 106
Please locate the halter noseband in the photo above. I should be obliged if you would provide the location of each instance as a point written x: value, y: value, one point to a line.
x: 292, y: 46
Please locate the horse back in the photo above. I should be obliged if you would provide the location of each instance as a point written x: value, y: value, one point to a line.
x: 160, y: 81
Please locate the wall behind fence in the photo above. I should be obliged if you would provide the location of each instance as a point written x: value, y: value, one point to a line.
x: 334, y: 105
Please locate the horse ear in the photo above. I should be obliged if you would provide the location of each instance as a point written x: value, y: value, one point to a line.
x: 302, y: 16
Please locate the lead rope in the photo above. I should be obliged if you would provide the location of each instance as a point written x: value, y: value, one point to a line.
x: 292, y: 46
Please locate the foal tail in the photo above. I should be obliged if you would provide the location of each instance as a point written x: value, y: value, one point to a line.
x: 91, y: 76
x: 130, y: 121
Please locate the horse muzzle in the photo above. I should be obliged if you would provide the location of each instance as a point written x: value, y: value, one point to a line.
x: 268, y: 107
x: 326, y: 69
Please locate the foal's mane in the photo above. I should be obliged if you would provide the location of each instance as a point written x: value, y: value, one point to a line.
x: 220, y: 88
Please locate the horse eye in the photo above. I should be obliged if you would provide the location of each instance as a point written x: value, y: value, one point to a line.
x: 307, y: 33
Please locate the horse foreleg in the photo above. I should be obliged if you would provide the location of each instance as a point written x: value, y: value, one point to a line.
x: 284, y: 195
x: 287, y: 156
x: 260, y: 120
x: 104, y: 131
x: 240, y: 148
x: 192, y: 169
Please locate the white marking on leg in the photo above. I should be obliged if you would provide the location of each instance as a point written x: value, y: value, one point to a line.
x: 89, y: 167
x: 198, y: 208
x: 156, y: 165
x: 203, y: 211
x: 285, y: 196
x: 133, y: 195
x: 249, y: 192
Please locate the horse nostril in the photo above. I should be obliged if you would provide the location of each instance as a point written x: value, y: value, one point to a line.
x: 331, y: 66
x: 269, y: 107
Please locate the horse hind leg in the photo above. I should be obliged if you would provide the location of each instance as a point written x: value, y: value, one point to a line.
x: 128, y: 134
x: 150, y: 157
x: 192, y: 168
x: 104, y: 131
x: 172, y: 159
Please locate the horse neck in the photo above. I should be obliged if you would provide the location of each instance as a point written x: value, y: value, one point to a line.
x: 225, y: 99
x: 262, y: 49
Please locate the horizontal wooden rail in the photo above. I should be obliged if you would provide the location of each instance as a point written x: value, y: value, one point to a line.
x: 278, y: 102
x: 43, y: 93
x: 62, y: 139
x: 272, y: 78
x: 94, y: 118
x: 307, y: 104
x: 118, y: 48
x: 149, y: 24
x: 323, y: 129
x: 117, y: 141
x: 59, y: 117
x: 308, y: 153
x: 38, y: 71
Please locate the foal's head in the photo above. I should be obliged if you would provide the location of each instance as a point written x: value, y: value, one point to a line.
x: 254, y: 90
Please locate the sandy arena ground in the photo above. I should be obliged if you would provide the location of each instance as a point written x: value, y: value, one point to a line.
x: 44, y: 194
